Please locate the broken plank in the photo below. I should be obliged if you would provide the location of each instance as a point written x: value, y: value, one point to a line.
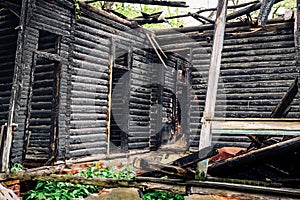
x: 195, y: 157
x: 259, y: 155
x: 164, y: 168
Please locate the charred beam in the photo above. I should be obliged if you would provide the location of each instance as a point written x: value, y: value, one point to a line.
x: 164, y: 168
x: 193, y: 158
x: 246, y: 10
x: 151, y: 2
x: 264, y: 12
x: 106, y: 14
x: 286, y: 101
x: 266, y: 153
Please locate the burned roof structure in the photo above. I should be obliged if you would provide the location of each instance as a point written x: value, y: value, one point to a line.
x: 78, y: 83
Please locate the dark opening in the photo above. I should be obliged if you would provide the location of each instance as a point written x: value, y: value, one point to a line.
x: 119, y: 111
x: 8, y: 46
x: 42, y: 112
x: 121, y: 58
x: 48, y: 42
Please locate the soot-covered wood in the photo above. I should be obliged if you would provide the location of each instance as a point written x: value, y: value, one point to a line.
x: 257, y: 68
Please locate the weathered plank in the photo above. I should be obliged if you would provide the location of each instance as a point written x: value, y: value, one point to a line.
x: 212, y: 85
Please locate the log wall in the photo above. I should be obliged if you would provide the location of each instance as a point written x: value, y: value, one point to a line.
x: 39, y: 113
x: 63, y: 84
x: 169, y: 103
x: 8, y: 46
x: 258, y: 66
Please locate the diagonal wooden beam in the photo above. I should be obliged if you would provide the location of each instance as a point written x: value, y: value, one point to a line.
x: 212, y: 85
x: 150, y: 2
x: 264, y: 12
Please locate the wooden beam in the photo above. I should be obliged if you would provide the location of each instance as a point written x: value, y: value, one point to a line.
x: 283, y: 106
x: 264, y: 12
x: 257, y: 125
x: 150, y: 2
x: 109, y: 107
x: 173, y: 185
x: 246, y: 10
x: 193, y: 158
x: 164, y: 168
x: 212, y: 86
x: 259, y: 155
x: 107, y: 14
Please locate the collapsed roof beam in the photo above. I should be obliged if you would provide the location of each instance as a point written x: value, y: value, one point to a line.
x: 151, y: 2
x: 247, y: 10
x: 264, y: 12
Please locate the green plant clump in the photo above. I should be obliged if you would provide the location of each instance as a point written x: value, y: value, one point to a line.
x: 161, y: 195
x: 67, y: 191
x: 16, y: 167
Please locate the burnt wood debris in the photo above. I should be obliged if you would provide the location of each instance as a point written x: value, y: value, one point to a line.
x: 81, y: 84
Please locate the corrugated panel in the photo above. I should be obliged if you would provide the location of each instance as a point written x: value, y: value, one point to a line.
x: 8, y: 45
x: 258, y: 66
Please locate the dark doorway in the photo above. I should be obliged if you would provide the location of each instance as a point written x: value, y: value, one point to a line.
x: 119, y: 121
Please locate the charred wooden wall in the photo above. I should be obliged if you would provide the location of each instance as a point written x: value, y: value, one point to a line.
x: 140, y: 90
x: 258, y: 66
x: 43, y: 77
x: 169, y: 101
x: 8, y: 46
x: 89, y: 87
x: 63, y: 84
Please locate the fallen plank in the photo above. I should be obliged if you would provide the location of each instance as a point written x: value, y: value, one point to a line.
x: 163, y: 168
x: 280, y: 110
x: 7, y: 194
x: 147, y: 183
x: 195, y: 157
x: 259, y: 155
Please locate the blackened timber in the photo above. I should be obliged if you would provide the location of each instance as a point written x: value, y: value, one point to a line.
x: 263, y: 154
x: 195, y: 157
x: 264, y: 12
x: 151, y: 2
x: 106, y: 14
x: 246, y: 10
x: 286, y: 100
x: 164, y: 168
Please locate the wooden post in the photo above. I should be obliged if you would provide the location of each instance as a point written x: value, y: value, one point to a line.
x: 111, y: 64
x: 297, y: 38
x: 212, y: 85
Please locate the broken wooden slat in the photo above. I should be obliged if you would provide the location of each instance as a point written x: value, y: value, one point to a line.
x: 257, y: 125
x: 7, y: 194
x: 281, y: 110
